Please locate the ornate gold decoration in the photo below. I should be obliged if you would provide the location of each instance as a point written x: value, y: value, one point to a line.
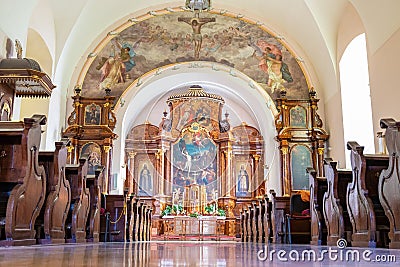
x: 285, y: 150
x: 321, y: 151
x: 132, y: 154
x: 106, y: 148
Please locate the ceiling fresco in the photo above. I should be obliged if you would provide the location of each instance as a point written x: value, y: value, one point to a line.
x: 186, y: 37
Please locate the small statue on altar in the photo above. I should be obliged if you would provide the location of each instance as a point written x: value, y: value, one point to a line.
x: 176, y: 196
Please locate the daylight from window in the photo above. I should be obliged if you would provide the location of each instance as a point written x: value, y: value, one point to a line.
x: 356, y: 100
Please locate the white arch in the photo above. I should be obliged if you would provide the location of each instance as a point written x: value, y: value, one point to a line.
x: 211, y: 76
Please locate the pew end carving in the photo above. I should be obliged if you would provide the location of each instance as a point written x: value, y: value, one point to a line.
x: 365, y: 211
x: 58, y: 197
x: 389, y: 181
x: 318, y: 187
x: 22, y: 180
x: 80, y: 201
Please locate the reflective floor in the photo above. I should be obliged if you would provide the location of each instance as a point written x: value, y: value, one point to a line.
x: 181, y: 253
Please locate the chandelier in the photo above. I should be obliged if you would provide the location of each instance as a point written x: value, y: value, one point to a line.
x: 198, y: 4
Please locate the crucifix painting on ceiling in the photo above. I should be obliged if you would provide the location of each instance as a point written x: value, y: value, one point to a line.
x: 191, y: 36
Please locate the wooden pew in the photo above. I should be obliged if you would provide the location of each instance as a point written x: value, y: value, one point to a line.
x: 242, y: 225
x: 332, y: 210
x: 115, y: 205
x: 334, y: 203
x: 318, y: 187
x: 389, y: 181
x: 93, y: 223
x: 370, y: 225
x: 22, y: 180
x: 58, y: 196
x: 264, y: 221
x: 280, y: 206
x: 256, y: 218
x: 80, y: 201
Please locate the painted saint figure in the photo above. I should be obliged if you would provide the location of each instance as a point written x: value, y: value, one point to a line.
x: 242, y: 180
x: 146, y: 183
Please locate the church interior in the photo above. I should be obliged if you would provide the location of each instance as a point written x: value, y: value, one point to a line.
x: 199, y: 132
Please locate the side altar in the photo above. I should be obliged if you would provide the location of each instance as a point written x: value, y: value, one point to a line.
x: 195, y: 159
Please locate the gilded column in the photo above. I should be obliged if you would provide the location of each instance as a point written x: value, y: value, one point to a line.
x: 320, y: 160
x: 286, y: 186
x: 131, y: 166
x: 160, y: 172
x: 256, y: 180
x: 107, y: 170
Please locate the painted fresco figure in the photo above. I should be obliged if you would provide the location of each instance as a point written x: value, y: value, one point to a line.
x: 271, y: 63
x: 196, y: 24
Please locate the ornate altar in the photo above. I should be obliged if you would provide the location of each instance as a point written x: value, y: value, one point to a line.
x: 301, y: 139
x: 195, y: 159
x: 90, y: 129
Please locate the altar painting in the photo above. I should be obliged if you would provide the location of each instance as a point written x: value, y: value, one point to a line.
x: 94, y: 152
x: 243, y: 176
x: 194, y: 161
x: 145, y: 178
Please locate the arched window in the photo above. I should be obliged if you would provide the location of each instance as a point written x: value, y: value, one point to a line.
x: 356, y: 99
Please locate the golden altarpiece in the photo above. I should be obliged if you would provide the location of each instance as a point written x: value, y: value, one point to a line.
x: 301, y: 141
x: 195, y: 158
x: 90, y: 130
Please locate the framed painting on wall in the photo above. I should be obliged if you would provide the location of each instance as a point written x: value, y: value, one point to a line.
x: 300, y: 160
x: 243, y: 177
x: 94, y: 152
x: 92, y: 114
x: 145, y: 175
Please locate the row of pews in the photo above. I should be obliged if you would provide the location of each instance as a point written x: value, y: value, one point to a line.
x: 42, y: 198
x: 139, y: 220
x: 361, y: 205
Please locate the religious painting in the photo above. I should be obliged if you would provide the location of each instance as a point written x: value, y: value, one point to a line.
x: 5, y: 108
x: 94, y: 152
x: 181, y: 36
x: 145, y: 178
x: 196, y: 111
x: 300, y: 159
x: 92, y: 114
x: 243, y: 176
x: 194, y: 159
x: 298, y: 117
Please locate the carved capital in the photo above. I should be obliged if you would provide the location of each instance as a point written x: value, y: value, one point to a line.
x: 132, y: 155
x: 321, y: 151
x: 106, y: 148
x: 256, y: 157
x: 284, y: 150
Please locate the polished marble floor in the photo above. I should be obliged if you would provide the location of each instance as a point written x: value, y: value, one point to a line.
x: 181, y: 253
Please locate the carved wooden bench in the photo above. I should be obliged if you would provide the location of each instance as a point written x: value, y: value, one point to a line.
x: 22, y: 180
x: 389, y: 181
x: 370, y: 224
x: 80, y: 201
